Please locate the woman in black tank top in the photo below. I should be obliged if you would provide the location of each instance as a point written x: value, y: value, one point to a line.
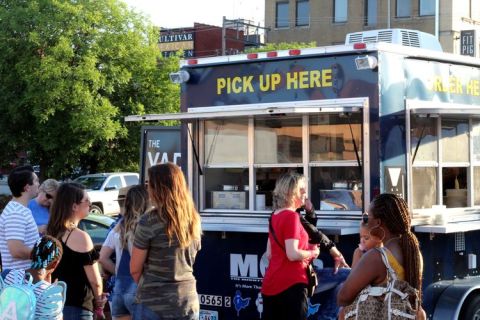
x: 78, y: 267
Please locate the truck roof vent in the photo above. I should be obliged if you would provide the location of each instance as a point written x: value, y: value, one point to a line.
x: 355, y: 37
x: 405, y: 37
x: 410, y: 39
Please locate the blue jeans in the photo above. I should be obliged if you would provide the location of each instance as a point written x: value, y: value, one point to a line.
x: 76, y: 313
x: 123, y: 296
x: 326, y: 294
x: 142, y: 312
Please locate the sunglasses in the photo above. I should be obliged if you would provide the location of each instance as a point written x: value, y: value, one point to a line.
x: 365, y: 218
x: 48, y: 196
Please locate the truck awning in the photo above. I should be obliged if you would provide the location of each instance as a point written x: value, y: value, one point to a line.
x: 276, y: 108
x: 429, y: 108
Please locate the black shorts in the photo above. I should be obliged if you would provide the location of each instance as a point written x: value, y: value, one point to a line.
x: 290, y: 304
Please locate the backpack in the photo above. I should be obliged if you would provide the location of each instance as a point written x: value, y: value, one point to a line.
x: 397, y: 300
x: 18, y: 300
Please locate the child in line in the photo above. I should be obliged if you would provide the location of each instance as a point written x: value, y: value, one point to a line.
x: 368, y: 239
x: 45, y: 256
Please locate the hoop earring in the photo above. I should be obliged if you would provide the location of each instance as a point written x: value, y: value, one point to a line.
x: 376, y: 236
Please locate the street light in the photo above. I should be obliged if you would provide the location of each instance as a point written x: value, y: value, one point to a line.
x: 179, y: 77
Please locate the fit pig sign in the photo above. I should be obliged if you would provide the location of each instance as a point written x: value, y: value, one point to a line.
x: 467, y: 43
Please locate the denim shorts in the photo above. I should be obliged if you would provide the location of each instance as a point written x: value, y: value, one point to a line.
x: 123, y: 304
x: 123, y: 297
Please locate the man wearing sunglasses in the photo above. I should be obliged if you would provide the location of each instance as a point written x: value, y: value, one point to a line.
x: 40, y: 205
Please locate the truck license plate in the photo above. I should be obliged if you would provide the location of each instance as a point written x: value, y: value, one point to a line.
x: 208, y: 315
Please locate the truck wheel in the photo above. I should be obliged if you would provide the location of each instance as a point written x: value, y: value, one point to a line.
x: 472, y: 309
x: 95, y: 209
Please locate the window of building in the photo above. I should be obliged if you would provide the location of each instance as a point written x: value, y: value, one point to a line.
x: 427, y: 7
x: 281, y: 17
x: 474, y: 10
x: 340, y: 10
x: 404, y: 8
x: 371, y: 12
x: 302, y: 13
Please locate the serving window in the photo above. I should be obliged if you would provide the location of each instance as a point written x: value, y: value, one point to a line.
x: 445, y: 158
x: 242, y: 158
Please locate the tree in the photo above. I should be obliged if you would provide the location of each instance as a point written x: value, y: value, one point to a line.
x: 283, y: 46
x: 69, y: 72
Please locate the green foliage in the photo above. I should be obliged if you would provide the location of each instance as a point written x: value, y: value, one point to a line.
x: 282, y: 46
x: 70, y: 71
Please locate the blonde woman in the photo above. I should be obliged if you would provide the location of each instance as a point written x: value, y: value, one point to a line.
x: 40, y: 205
x: 284, y: 287
x: 165, y: 245
x: 119, y: 240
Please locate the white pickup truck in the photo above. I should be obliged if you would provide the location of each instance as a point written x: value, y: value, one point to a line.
x: 102, y: 188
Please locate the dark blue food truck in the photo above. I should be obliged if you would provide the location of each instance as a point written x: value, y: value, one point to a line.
x: 357, y: 119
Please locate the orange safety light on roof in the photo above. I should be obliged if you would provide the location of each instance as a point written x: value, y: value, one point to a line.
x: 359, y: 46
x: 252, y: 56
x: 272, y: 54
x: 294, y: 52
x: 192, y: 61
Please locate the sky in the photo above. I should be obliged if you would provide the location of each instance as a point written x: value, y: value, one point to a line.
x: 183, y: 13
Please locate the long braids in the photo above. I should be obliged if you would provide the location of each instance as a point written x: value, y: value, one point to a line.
x: 393, y: 211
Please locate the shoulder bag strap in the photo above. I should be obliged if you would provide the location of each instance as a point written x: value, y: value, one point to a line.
x: 391, y: 273
x: 273, y: 232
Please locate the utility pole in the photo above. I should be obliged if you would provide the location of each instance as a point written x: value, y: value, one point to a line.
x: 437, y: 18
x: 248, y: 37
x: 224, y: 36
x: 388, y: 14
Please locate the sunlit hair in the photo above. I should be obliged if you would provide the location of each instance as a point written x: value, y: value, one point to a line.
x: 286, y: 189
x: 136, y: 203
x: 49, y: 186
x: 61, y: 210
x: 173, y: 202
x: 46, y: 251
x: 393, y: 212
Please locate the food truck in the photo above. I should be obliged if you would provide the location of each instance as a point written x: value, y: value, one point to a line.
x: 358, y: 119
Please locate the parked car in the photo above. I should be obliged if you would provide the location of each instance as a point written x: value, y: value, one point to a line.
x: 97, y: 226
x: 102, y: 188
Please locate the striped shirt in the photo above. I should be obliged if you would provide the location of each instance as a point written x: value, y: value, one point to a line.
x: 54, y: 305
x: 16, y: 223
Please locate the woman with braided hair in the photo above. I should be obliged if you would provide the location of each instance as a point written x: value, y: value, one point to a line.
x: 389, y: 216
x: 46, y: 254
